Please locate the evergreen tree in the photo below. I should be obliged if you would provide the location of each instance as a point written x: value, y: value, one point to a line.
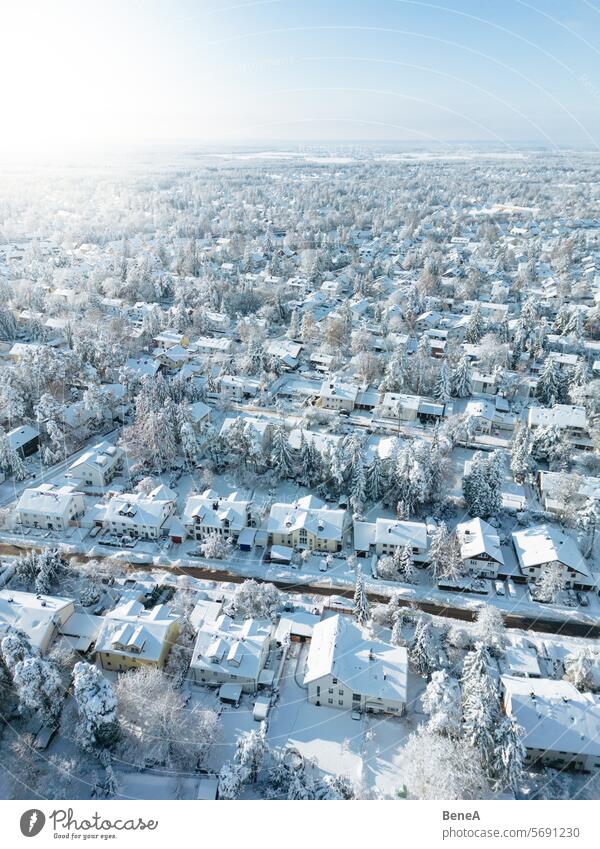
x: 461, y: 379
x: 97, y: 706
x: 442, y: 701
x: 482, y: 486
x: 281, y: 456
x: 422, y: 651
x: 551, y: 386
x: 481, y: 704
x: 442, y: 390
x: 509, y: 756
x: 521, y: 461
x: 361, y: 602
x: 376, y: 479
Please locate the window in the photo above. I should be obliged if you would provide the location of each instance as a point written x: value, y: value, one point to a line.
x: 356, y: 697
x: 330, y: 701
x: 341, y: 692
x: 318, y: 690
x: 331, y: 690
x: 340, y: 702
x: 334, y: 680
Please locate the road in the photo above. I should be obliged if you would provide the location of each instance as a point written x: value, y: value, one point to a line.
x: 525, y: 622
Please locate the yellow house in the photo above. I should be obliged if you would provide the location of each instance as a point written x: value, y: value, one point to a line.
x: 132, y: 636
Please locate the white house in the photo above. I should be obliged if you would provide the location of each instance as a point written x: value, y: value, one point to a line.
x: 561, y: 725
x: 140, y: 515
x: 98, y: 466
x: 391, y: 534
x: 480, y: 547
x: 345, y: 670
x: 209, y: 513
x: 50, y: 506
x: 335, y: 395
x: 231, y: 652
x: 569, y: 419
x: 542, y: 545
x: 39, y: 617
x: 308, y: 524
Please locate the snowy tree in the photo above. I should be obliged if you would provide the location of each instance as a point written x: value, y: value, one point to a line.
x: 461, y: 379
x: 452, y: 567
x: 482, y: 485
x: 361, y: 602
x: 439, y: 550
x: 97, y: 706
x: 250, y: 751
x: 254, y: 600
x: 405, y: 566
x: 489, y: 629
x: 376, y: 480
x: 436, y: 766
x: 10, y: 460
x: 155, y: 723
x: 551, y: 387
x: 216, y: 547
x: 579, y: 668
x: 509, y: 756
x: 230, y: 781
x: 422, y: 652
x: 39, y: 688
x: 481, y: 704
x: 551, y: 581
x: 281, y: 455
x: 15, y: 647
x: 475, y: 326
x: 442, y: 390
x: 521, y: 462
x: 442, y: 702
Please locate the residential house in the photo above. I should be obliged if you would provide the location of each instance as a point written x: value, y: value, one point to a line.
x: 480, y: 548
x: 570, y: 420
x: 561, y: 725
x: 25, y: 440
x: 97, y: 467
x: 308, y: 524
x: 39, y: 617
x: 542, y: 545
x: 49, y: 506
x: 232, y: 652
x: 335, y: 395
x: 209, y: 513
x: 349, y: 671
x: 132, y: 636
x: 136, y: 514
x: 392, y: 534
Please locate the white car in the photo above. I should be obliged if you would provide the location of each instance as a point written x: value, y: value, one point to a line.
x: 499, y: 588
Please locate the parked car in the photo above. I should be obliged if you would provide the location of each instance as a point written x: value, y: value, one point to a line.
x: 499, y: 588
x: 582, y: 599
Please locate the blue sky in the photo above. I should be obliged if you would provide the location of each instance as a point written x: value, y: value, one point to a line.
x: 301, y: 70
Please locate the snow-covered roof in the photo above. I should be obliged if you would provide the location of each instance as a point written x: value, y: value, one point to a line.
x: 561, y: 416
x: 395, y: 532
x: 231, y: 647
x: 104, y: 455
x: 212, y: 511
x: 478, y: 537
x: 38, y: 616
x: 131, y: 630
x: 20, y: 436
x: 135, y: 508
x: 554, y: 715
x: 48, y: 499
x: 310, y: 514
x: 369, y: 667
x: 542, y: 544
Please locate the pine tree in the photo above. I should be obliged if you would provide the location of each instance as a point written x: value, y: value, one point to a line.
x: 521, y: 461
x: 376, y: 479
x: 251, y: 750
x: 281, y: 456
x: 551, y: 581
x: 489, y: 629
x: 482, y: 486
x: 361, y: 602
x: 461, y: 379
x: 438, y: 550
x: 509, y: 756
x: 39, y: 688
x: 551, y: 386
x: 442, y: 390
x: 481, y: 704
x: 406, y: 568
x: 475, y: 326
x: 422, y: 650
